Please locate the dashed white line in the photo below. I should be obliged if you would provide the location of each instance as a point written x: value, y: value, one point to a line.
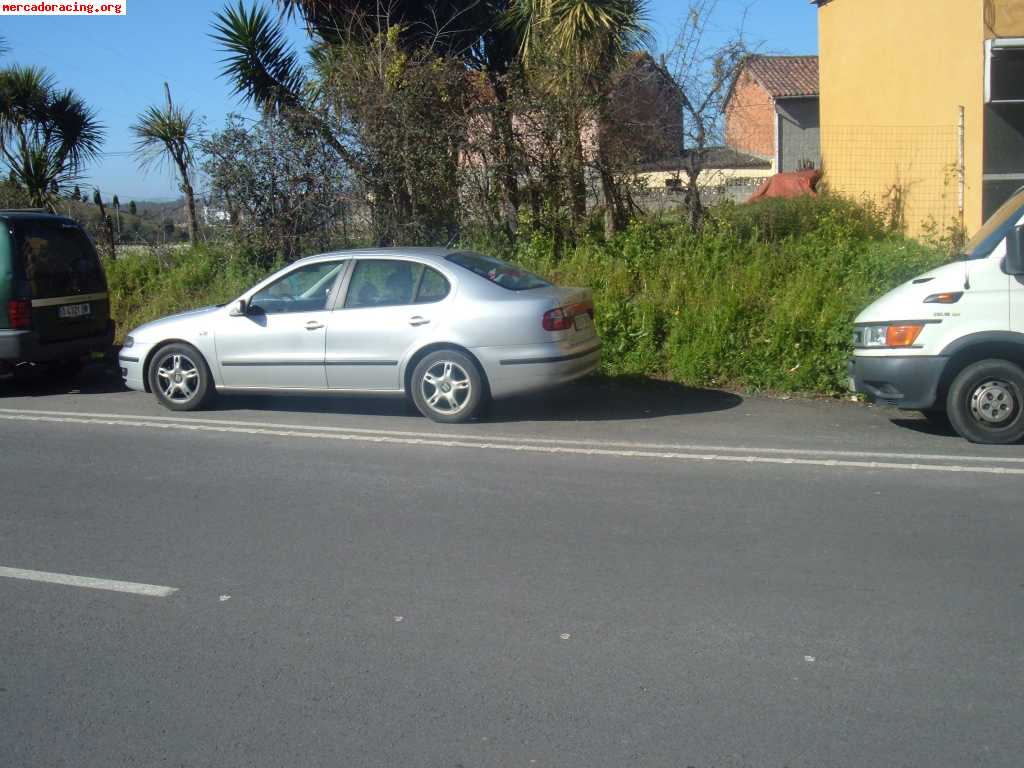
x: 87, y: 582
x: 524, y: 447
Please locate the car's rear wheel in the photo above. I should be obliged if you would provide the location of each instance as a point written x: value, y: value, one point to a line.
x: 447, y: 387
x: 986, y: 402
x: 180, y: 378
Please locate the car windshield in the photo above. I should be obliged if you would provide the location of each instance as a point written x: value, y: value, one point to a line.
x: 996, y: 228
x: 498, y: 272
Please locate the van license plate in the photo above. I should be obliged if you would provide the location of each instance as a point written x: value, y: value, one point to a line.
x: 583, y: 322
x: 74, y: 310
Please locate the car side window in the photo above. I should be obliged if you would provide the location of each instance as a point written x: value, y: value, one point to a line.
x: 382, y: 283
x: 306, y: 289
x: 433, y: 287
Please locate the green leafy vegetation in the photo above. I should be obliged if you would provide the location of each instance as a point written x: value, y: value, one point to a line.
x: 154, y: 282
x: 763, y: 298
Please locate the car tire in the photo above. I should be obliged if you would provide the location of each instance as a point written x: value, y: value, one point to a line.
x: 180, y: 378
x: 985, y: 403
x: 448, y: 387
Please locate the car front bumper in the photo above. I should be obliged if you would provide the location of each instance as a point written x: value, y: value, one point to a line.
x: 25, y: 347
x: 131, y: 361
x: 911, y: 382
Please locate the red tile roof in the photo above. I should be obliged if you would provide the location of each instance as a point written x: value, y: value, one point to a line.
x: 786, y: 76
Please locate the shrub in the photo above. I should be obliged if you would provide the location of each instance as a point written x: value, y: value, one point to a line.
x: 146, y: 284
x: 763, y: 299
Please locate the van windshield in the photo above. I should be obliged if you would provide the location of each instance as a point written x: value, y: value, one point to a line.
x: 996, y: 228
x: 56, y: 259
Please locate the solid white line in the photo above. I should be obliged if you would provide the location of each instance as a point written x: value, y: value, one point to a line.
x: 566, y: 442
x: 197, y: 426
x: 87, y: 582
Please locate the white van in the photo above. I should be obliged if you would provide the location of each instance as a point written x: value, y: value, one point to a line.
x: 952, y: 340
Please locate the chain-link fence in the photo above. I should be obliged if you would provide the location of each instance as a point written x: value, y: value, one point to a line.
x: 912, y: 173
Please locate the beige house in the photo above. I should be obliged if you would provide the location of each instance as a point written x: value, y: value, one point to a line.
x: 922, y: 106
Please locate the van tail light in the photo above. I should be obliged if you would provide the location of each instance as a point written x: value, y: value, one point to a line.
x: 19, y: 314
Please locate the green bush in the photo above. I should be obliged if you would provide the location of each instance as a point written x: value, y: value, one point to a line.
x: 763, y: 299
x: 150, y: 283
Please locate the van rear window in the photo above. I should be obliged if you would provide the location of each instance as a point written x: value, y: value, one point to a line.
x: 56, y: 259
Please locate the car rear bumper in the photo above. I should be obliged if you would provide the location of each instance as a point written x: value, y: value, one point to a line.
x: 25, y: 347
x: 910, y: 382
x: 517, y: 370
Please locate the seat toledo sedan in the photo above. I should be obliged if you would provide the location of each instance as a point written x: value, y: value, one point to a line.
x: 449, y: 329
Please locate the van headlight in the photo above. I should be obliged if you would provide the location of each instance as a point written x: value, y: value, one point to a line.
x: 885, y: 336
x: 129, y: 342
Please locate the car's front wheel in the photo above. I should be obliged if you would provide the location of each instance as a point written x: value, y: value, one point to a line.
x: 986, y: 402
x: 180, y: 378
x: 447, y: 387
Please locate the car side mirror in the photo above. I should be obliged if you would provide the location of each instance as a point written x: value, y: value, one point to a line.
x: 1015, y: 252
x: 240, y: 309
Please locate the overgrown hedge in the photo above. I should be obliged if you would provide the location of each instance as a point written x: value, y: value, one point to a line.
x: 763, y: 299
x: 146, y: 284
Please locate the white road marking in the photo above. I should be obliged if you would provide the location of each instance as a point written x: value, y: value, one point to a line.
x: 562, y: 442
x: 88, y: 582
x: 197, y: 425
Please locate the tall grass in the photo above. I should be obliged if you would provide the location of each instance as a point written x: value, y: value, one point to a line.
x: 763, y: 299
x: 147, y: 285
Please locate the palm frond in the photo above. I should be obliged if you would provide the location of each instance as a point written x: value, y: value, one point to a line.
x: 260, y: 64
x: 166, y: 135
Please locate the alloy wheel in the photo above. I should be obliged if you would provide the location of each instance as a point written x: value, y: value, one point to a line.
x: 446, y: 387
x: 177, y: 375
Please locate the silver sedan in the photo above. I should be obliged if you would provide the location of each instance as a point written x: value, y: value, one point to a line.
x: 448, y: 329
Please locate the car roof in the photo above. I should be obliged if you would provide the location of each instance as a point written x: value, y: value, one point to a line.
x: 31, y: 214
x: 438, y: 255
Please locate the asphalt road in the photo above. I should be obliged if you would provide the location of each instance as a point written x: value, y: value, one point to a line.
x: 609, y: 575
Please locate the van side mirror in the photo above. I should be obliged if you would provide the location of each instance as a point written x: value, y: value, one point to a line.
x: 1015, y: 252
x: 240, y: 309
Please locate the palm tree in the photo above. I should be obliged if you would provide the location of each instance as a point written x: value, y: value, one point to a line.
x: 167, y: 136
x: 591, y: 39
x: 47, y: 135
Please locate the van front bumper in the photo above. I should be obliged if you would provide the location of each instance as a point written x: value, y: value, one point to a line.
x: 911, y: 383
x: 25, y: 347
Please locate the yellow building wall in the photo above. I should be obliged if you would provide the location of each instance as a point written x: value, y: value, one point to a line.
x: 893, y: 76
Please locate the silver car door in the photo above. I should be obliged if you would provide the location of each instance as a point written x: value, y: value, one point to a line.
x: 279, y: 342
x: 390, y: 307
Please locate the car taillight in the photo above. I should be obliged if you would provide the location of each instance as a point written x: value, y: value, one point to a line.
x: 19, y: 314
x: 557, y: 320
x: 561, y: 319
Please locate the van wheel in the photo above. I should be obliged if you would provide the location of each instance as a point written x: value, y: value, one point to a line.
x: 180, y: 378
x: 986, y: 402
x: 447, y: 387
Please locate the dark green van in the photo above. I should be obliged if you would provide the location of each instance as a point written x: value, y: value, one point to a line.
x: 54, y: 306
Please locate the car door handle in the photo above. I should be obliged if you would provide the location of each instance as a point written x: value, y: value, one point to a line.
x: 417, y: 320
x: 313, y: 325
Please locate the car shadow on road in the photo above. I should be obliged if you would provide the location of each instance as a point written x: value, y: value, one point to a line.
x: 39, y: 381
x: 596, y: 399
x: 933, y: 427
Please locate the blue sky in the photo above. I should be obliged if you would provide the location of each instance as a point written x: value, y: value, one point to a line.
x: 119, y: 64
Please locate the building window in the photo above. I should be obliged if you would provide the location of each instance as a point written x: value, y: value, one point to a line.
x: 1004, y: 80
